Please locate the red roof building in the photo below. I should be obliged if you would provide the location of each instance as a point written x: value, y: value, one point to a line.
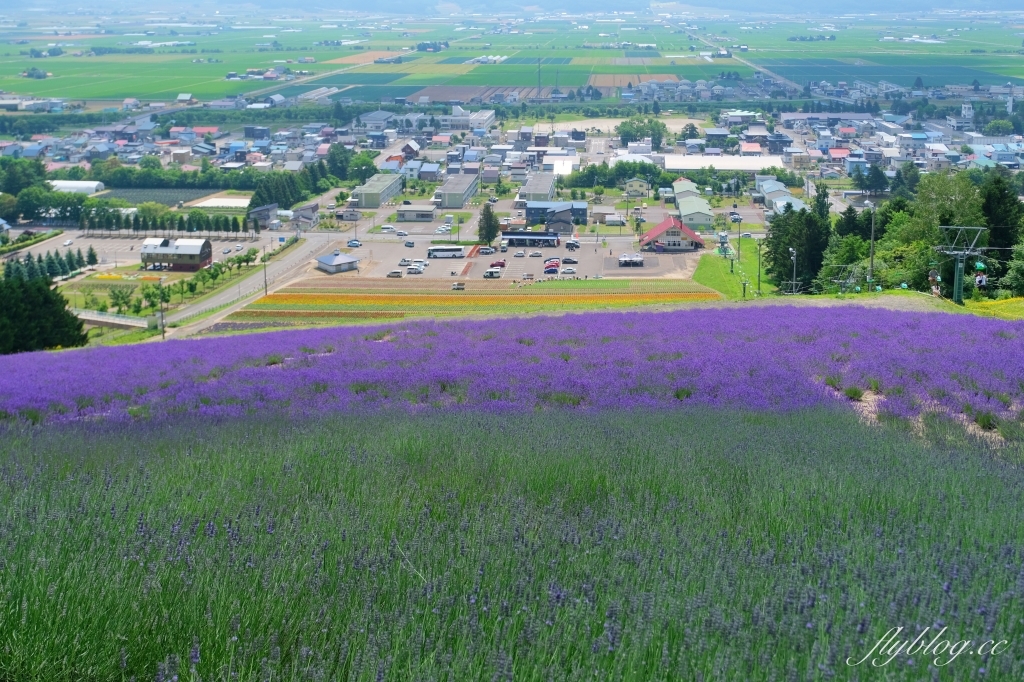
x: 838, y: 154
x: 205, y: 131
x: 671, y: 235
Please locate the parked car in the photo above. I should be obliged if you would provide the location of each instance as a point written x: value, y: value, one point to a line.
x: 401, y: 233
x: 570, y: 260
x: 499, y: 264
x: 405, y: 262
x: 550, y: 271
x: 410, y: 244
x: 226, y: 251
x: 69, y: 242
x: 413, y: 270
x: 492, y: 273
x: 420, y: 263
x: 395, y: 273
x: 354, y: 243
x: 486, y: 251
x: 568, y: 271
x: 536, y: 254
x: 520, y: 254
x: 238, y: 247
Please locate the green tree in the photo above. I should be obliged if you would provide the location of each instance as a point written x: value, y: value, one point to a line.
x: 32, y: 201
x: 91, y: 258
x: 1014, y: 277
x: 489, y: 226
x: 1004, y: 214
x: 8, y: 208
x: 911, y: 176
x: 849, y: 222
x: 999, y: 128
x: 120, y: 296
x: 860, y: 181
x: 35, y: 317
x: 51, y: 266
x: 876, y: 181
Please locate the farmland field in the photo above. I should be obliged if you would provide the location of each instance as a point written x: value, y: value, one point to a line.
x: 984, y: 50
x: 167, y: 197
x: 342, y: 300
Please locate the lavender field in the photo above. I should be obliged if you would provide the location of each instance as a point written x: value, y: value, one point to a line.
x: 704, y: 495
x: 767, y: 358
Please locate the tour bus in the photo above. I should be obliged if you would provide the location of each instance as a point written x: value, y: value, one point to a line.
x: 446, y: 252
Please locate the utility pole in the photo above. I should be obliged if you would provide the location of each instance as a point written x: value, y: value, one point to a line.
x: 265, y: 270
x: 871, y: 265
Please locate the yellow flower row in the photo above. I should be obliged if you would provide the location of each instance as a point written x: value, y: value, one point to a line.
x: 483, y: 301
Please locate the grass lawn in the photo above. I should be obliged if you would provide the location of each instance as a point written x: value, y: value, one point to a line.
x: 714, y: 271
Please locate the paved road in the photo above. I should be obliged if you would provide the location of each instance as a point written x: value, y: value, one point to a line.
x: 279, y: 271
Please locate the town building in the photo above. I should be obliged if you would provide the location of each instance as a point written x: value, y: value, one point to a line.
x: 671, y: 234
x: 177, y: 254
x: 423, y: 213
x: 539, y: 211
x: 337, y: 262
x: 539, y: 187
x: 377, y: 191
x: 456, y: 191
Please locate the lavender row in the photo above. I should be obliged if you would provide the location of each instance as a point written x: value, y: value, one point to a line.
x: 766, y: 358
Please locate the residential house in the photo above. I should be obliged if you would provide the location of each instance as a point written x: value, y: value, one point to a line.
x: 637, y: 187
x: 716, y: 136
x: 411, y: 149
x: 307, y: 216
x: 431, y: 172
x: 264, y: 215
x: 695, y: 212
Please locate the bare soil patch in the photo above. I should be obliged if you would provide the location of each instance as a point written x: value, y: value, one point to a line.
x: 362, y: 57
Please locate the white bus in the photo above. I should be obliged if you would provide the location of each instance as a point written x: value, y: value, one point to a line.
x: 446, y: 252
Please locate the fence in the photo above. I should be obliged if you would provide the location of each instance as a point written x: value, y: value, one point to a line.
x: 111, y: 318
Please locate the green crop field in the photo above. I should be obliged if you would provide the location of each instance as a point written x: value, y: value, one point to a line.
x: 572, y: 55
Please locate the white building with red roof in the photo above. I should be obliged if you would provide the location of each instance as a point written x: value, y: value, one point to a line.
x: 671, y: 235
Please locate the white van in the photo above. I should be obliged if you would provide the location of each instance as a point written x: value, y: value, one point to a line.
x: 492, y: 273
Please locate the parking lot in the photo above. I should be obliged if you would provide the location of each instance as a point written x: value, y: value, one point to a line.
x: 121, y: 251
x: 383, y: 255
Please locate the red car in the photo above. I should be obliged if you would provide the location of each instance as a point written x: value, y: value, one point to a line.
x: 498, y: 264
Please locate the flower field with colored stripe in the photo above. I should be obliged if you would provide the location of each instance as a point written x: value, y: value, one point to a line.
x: 319, y: 303
x: 440, y: 304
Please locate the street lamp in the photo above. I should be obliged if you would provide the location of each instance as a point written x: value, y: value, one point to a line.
x: 759, y: 245
x: 792, y: 256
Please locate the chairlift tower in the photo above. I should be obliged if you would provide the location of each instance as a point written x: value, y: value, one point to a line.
x: 960, y: 242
